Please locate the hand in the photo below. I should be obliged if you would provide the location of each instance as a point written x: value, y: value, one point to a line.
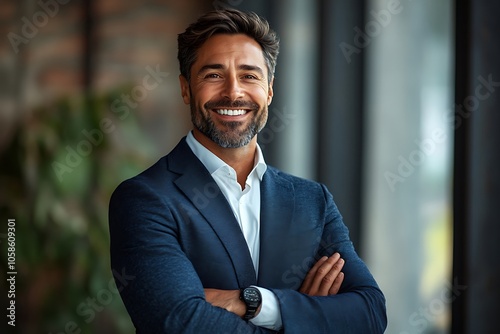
x: 227, y: 299
x: 325, y: 277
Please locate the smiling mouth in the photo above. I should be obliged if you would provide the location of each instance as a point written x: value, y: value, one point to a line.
x: 231, y: 112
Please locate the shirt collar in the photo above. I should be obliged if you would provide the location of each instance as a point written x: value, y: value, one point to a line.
x: 213, y: 163
x: 260, y: 165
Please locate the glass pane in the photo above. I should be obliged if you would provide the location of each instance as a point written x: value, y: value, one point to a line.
x: 407, y: 214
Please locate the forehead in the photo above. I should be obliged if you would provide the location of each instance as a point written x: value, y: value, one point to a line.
x: 225, y: 48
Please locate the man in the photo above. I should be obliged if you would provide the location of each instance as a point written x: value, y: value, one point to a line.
x: 216, y: 240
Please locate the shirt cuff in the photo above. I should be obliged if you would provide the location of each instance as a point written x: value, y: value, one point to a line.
x: 270, y: 314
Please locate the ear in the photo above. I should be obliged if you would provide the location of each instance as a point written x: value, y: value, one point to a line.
x: 185, y: 91
x: 270, y: 92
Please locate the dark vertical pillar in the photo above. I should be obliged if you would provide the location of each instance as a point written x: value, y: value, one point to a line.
x: 340, y: 99
x: 87, y: 45
x: 461, y: 161
x: 484, y: 174
x: 477, y: 181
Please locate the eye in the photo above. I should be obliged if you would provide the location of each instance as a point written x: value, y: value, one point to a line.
x: 212, y: 76
x: 249, y: 76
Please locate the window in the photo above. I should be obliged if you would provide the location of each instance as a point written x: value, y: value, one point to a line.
x: 408, y: 144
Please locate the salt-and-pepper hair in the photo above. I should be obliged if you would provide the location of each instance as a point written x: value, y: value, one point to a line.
x: 227, y: 21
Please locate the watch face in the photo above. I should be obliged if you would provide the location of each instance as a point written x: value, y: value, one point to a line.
x: 251, y: 295
x: 252, y: 298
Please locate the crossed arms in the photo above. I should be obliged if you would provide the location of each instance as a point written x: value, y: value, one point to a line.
x: 168, y: 295
x: 324, y: 279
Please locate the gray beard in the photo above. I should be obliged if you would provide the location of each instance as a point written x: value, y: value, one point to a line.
x: 232, y: 138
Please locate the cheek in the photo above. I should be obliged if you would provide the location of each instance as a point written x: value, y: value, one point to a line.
x: 199, y: 100
x: 204, y: 94
x: 260, y: 94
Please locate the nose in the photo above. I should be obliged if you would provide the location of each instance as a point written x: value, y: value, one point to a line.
x: 232, y: 89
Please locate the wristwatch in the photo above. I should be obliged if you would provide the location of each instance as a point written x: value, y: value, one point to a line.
x: 252, y: 298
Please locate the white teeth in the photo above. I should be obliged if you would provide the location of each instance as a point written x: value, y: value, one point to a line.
x: 231, y: 112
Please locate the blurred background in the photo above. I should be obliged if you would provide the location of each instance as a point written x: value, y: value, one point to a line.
x: 389, y: 103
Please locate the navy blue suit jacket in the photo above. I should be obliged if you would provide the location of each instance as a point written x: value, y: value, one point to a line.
x: 174, y: 233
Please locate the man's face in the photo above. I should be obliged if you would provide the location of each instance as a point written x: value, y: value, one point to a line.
x: 229, y: 90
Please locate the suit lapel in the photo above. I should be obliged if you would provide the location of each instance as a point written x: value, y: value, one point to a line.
x: 201, y: 189
x: 277, y: 206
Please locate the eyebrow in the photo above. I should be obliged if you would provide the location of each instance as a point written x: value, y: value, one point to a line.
x: 240, y: 67
x: 252, y: 68
x: 210, y: 67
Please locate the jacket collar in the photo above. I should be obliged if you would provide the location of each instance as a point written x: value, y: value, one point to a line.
x: 200, y: 188
x: 276, y: 215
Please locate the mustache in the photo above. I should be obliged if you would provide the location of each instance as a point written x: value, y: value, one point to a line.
x: 226, y: 103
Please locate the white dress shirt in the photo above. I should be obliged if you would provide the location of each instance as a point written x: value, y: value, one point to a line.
x: 245, y: 204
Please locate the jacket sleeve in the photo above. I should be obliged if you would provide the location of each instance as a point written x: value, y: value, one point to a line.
x: 161, y: 290
x: 359, y: 307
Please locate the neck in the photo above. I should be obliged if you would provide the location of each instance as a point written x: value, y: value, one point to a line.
x: 241, y: 159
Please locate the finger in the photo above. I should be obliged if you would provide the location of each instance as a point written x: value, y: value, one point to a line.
x: 336, y: 284
x: 330, y: 277
x: 321, y: 272
x: 306, y: 285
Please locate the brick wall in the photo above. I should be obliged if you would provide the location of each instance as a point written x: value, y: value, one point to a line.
x: 43, y: 47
